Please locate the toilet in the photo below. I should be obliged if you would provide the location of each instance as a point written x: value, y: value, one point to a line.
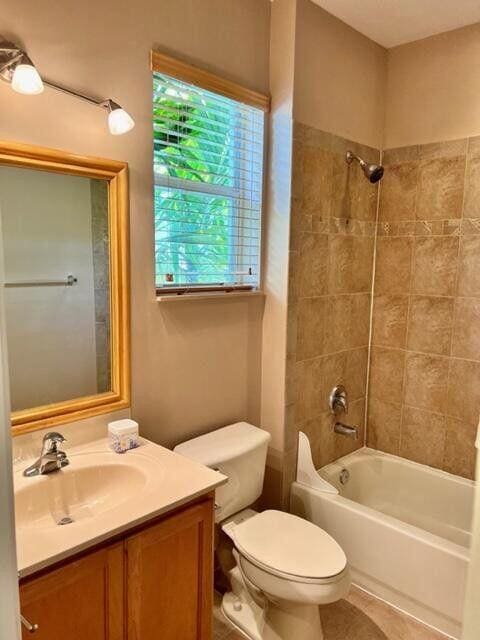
x: 285, y: 566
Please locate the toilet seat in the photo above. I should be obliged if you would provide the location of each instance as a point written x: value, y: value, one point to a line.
x: 289, y: 547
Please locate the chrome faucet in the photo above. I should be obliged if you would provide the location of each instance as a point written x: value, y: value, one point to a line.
x: 51, y: 459
x: 346, y: 430
x: 339, y: 404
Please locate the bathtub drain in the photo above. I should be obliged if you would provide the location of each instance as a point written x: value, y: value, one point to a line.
x: 344, y: 476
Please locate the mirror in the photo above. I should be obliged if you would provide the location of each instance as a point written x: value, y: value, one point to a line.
x: 64, y: 235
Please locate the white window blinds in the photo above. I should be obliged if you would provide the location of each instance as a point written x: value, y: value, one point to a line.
x: 208, y: 174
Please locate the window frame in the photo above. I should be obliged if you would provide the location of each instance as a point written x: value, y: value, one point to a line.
x: 205, y: 80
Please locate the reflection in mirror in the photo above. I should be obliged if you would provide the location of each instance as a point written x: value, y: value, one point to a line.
x: 56, y: 252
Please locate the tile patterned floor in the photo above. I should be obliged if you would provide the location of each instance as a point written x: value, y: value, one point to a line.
x: 358, y: 617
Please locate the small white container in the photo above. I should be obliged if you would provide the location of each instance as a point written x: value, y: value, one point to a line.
x: 123, y: 435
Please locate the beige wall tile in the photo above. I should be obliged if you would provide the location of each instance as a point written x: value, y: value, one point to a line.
x: 311, y: 266
x: 469, y: 266
x: 426, y: 380
x: 308, y: 385
x: 353, y: 197
x: 297, y: 168
x: 473, y: 147
x: 430, y: 324
x: 317, y: 181
x: 386, y: 374
x: 398, y: 192
x: 360, y: 320
x: 390, y: 320
x: 334, y: 372
x: 350, y: 264
x: 322, y: 440
x: 422, y: 436
x: 466, y: 332
x: 400, y: 154
x: 460, y: 452
x: 464, y: 390
x: 337, y: 323
x: 347, y: 322
x: 355, y: 376
x: 472, y: 188
x: 393, y: 265
x: 310, y: 327
x: 440, y: 188
x: 300, y: 220
x: 383, y: 430
x: 446, y: 149
x: 435, y: 266
x: 292, y: 322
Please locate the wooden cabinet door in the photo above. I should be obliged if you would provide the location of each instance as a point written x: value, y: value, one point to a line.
x: 82, y: 600
x: 170, y: 577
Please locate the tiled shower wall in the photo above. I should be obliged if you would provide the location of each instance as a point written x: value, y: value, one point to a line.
x: 101, y: 282
x: 424, y: 387
x: 331, y: 258
x: 424, y: 396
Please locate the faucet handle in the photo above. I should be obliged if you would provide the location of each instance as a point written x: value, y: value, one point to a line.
x: 53, y: 438
x: 338, y: 399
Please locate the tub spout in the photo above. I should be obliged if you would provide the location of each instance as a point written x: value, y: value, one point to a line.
x: 346, y: 430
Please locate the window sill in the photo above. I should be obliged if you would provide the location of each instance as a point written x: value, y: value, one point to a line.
x: 224, y: 296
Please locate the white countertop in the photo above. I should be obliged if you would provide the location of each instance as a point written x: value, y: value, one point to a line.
x: 167, y: 480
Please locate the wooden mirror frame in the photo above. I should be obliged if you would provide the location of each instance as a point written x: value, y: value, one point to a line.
x: 116, y: 173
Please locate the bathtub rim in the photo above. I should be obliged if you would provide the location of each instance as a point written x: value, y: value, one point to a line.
x: 369, y: 451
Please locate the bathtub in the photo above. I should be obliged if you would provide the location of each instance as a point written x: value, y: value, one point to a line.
x: 404, y: 527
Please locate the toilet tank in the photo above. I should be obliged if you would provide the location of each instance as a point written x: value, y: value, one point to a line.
x: 239, y: 451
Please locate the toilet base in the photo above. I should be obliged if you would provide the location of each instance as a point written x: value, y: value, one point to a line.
x: 268, y: 621
x: 247, y: 618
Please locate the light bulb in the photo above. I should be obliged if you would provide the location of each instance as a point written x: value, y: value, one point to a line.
x: 27, y: 80
x: 119, y: 121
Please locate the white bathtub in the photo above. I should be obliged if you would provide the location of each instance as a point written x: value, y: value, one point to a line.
x: 404, y: 527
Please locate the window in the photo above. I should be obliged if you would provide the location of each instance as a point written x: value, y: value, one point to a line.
x: 208, y: 174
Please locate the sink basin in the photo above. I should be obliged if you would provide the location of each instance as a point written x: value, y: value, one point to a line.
x: 86, y: 488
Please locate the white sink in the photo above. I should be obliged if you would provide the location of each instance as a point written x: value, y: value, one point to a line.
x: 86, y: 488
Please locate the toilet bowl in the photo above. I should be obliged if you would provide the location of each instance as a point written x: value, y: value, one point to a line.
x: 285, y: 566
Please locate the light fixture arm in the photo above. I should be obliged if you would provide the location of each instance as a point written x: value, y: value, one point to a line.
x: 97, y: 102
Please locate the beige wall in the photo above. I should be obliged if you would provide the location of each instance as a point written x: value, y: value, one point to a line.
x: 339, y: 77
x: 195, y: 365
x: 276, y: 234
x: 433, y: 89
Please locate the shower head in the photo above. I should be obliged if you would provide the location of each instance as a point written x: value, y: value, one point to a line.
x: 374, y: 172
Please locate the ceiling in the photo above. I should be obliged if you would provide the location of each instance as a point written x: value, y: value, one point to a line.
x: 393, y: 22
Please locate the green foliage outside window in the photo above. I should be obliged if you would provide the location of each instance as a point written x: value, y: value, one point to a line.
x: 192, y: 143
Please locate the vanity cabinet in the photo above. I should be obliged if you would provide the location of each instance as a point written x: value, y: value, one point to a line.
x: 80, y: 600
x: 156, y: 582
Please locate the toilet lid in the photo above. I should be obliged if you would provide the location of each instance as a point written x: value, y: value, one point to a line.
x: 289, y: 545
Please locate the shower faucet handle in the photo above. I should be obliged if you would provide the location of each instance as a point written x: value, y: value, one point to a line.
x: 338, y: 400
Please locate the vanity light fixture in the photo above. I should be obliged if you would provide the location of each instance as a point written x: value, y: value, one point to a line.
x: 17, y: 68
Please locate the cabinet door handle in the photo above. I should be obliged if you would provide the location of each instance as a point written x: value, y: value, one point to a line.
x: 31, y: 628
